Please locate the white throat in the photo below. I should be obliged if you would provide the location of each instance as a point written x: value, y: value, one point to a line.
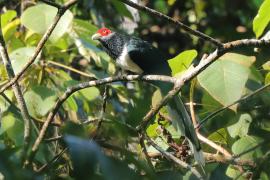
x: 126, y: 63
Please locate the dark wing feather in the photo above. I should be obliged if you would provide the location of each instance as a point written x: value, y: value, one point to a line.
x: 147, y: 57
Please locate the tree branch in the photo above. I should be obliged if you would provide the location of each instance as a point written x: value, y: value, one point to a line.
x: 171, y: 20
x: 80, y: 86
x: 17, y: 92
x: 194, y: 71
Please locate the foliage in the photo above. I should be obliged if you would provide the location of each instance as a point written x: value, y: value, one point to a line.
x: 112, y: 149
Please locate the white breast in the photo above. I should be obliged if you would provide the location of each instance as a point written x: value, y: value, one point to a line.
x: 126, y: 63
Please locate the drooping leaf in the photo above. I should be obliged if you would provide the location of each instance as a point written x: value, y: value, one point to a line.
x: 39, y: 100
x: 39, y: 18
x: 262, y: 19
x: 241, y: 127
x: 20, y: 57
x: 225, y: 79
x: 182, y: 61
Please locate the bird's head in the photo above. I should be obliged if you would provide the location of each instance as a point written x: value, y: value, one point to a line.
x: 101, y: 33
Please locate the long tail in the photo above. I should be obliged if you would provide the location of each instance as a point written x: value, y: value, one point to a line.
x: 181, y: 120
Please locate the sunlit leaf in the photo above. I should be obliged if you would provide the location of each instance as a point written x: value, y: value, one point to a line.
x: 245, y: 143
x: 90, y: 93
x: 40, y: 100
x: 182, y: 61
x: 20, y: 57
x: 226, y: 78
x: 7, y: 17
x: 262, y: 19
x: 10, y: 29
x: 241, y: 127
x: 39, y: 18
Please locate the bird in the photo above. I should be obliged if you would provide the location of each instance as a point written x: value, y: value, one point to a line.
x: 140, y: 57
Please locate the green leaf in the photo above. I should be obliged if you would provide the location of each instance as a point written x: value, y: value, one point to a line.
x: 71, y: 103
x: 39, y: 18
x: 262, y: 18
x: 266, y: 66
x: 246, y: 143
x: 20, y: 57
x: 220, y: 136
x: 90, y: 93
x: 10, y: 29
x: 40, y: 100
x: 13, y: 127
x: 7, y: 17
x: 225, y: 79
x: 241, y: 127
x: 84, y: 30
x: 4, y: 105
x: 234, y: 173
x: 182, y: 61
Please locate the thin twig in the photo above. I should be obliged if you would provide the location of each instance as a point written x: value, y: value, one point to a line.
x: 147, y: 157
x: 104, y: 104
x: 171, y: 20
x: 50, y: 163
x: 18, y: 94
x: 71, y: 69
x: 244, y: 98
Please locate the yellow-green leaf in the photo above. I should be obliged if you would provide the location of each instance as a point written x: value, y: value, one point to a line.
x: 262, y: 19
x: 182, y: 61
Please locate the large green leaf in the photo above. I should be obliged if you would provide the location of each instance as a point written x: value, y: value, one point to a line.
x: 262, y: 19
x: 38, y: 19
x: 241, y: 127
x: 39, y: 100
x: 225, y: 79
x: 182, y: 61
x: 20, y: 56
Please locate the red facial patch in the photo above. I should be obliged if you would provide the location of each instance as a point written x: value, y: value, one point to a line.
x: 104, y: 31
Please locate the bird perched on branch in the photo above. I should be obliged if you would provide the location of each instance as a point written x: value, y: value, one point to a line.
x: 140, y: 57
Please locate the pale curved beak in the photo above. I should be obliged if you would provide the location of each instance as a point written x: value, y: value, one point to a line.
x: 96, y: 36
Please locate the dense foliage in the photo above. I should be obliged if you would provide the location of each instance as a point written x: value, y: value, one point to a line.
x: 93, y: 133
